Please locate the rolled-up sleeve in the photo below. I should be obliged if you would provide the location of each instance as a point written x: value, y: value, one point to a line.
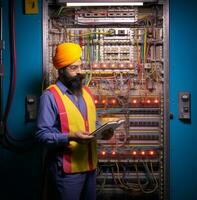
x: 48, y: 125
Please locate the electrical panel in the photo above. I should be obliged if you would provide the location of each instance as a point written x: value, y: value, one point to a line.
x: 123, y: 61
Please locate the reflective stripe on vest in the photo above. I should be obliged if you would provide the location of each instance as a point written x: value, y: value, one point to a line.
x: 78, y: 157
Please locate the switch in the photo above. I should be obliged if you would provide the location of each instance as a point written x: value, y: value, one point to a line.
x: 31, y: 108
x: 186, y: 109
x: 1, y: 69
x: 184, y: 105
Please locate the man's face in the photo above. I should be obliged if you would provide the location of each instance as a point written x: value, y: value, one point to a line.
x: 72, y: 78
x: 74, y: 69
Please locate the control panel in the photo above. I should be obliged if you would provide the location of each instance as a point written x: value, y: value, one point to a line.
x: 123, y: 64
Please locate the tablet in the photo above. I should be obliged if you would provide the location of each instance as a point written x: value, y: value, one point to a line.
x: 98, y: 133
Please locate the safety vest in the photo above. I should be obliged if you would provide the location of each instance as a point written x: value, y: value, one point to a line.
x: 78, y: 157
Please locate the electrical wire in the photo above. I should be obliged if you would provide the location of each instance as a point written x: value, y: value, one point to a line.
x: 60, y: 10
x: 145, y: 43
x: 91, y: 33
x: 9, y: 141
x: 102, y: 186
x: 13, y: 63
x: 120, y: 182
x: 146, y: 191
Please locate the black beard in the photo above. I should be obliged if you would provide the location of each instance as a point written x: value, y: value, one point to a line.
x: 74, y: 84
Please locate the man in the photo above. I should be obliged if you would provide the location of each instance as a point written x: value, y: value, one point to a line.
x: 67, y: 116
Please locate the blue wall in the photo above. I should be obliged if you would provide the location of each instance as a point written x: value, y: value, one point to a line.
x: 20, y: 174
x: 183, y: 68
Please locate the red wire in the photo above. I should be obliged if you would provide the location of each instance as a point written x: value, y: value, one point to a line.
x: 10, y: 140
x: 13, y: 71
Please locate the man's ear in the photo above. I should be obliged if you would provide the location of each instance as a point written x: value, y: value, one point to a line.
x: 62, y: 72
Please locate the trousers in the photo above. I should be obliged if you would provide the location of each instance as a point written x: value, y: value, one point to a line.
x: 77, y: 186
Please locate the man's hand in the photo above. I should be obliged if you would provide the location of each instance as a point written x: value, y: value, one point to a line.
x: 107, y: 134
x: 82, y: 137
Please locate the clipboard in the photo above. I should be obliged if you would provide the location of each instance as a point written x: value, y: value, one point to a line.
x: 98, y: 133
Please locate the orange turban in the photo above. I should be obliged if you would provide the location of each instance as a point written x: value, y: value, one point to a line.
x: 66, y: 54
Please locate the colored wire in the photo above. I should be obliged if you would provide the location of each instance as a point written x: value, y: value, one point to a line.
x: 91, y: 33
x: 145, y: 43
x: 147, y: 191
x: 10, y: 141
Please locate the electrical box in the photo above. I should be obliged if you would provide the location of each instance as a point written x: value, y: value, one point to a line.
x: 125, y: 65
x: 184, y: 106
x: 31, y: 6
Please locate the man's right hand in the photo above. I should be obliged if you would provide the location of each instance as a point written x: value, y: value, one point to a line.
x: 82, y: 137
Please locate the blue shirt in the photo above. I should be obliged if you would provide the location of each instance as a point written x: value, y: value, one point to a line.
x: 48, y: 122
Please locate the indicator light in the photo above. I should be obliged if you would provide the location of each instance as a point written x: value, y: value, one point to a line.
x: 134, y: 153
x: 148, y: 101
x: 103, y: 101
x: 156, y: 101
x: 134, y: 101
x: 113, y: 101
x: 151, y: 153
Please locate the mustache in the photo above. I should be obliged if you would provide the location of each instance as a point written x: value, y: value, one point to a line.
x: 74, y: 83
x: 78, y: 78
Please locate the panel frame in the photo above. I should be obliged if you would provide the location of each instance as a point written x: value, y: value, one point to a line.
x: 166, y: 116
